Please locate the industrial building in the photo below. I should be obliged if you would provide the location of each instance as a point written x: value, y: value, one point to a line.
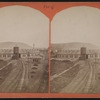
x: 81, y: 54
x: 31, y: 54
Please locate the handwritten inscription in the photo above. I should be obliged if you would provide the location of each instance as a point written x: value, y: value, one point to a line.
x: 48, y: 7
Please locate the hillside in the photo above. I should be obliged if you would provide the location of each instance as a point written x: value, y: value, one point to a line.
x: 10, y: 45
x: 73, y: 46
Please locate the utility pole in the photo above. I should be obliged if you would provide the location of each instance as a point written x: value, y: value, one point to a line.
x: 28, y: 54
x: 95, y: 59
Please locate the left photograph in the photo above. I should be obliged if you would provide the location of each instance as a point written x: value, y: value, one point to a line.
x: 24, y: 50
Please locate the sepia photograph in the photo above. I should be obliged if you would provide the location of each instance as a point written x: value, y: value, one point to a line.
x: 75, y: 51
x: 49, y: 49
x: 24, y: 50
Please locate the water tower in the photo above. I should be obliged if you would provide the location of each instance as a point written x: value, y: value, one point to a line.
x: 83, y: 54
x: 16, y: 53
x: 33, y: 45
x: 16, y: 50
x: 83, y: 50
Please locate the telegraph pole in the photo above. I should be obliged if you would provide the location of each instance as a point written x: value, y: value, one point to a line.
x: 95, y: 59
x: 28, y: 58
x: 28, y: 54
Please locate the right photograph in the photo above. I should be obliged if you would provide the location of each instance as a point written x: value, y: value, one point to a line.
x: 75, y: 51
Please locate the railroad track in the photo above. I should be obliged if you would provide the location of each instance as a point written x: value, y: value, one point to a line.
x: 57, y: 75
x: 6, y: 65
x: 42, y: 86
x: 10, y: 83
x: 13, y: 85
x: 82, y: 83
x: 91, y: 79
x: 77, y: 83
x: 22, y: 80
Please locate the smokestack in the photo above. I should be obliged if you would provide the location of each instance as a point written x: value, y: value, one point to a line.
x: 33, y: 45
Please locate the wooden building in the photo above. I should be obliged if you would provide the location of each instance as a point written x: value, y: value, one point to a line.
x: 81, y: 54
x: 16, y: 52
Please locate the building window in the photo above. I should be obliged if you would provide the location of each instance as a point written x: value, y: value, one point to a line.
x: 71, y: 56
x: 59, y: 55
x: 91, y: 56
x: 24, y: 55
x: 9, y: 55
x: 76, y: 56
x: 4, y: 55
x: 96, y: 55
x: 66, y: 56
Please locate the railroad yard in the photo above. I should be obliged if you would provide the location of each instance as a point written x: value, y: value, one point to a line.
x: 23, y: 76
x: 81, y: 76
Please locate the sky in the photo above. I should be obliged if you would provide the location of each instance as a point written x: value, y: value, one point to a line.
x: 76, y: 24
x: 24, y: 24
